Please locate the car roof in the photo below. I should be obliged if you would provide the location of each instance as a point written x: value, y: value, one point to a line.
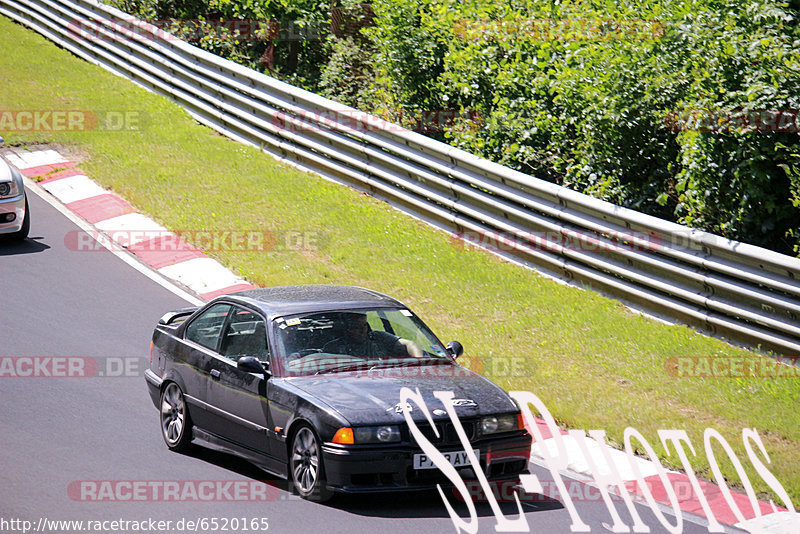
x: 290, y: 300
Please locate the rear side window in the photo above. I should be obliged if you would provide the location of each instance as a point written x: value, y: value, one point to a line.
x: 206, y: 329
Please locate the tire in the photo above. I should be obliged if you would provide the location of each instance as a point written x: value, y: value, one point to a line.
x: 176, y: 425
x: 306, y: 471
x: 22, y: 233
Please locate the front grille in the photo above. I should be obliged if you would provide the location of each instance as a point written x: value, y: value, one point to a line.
x: 451, y: 436
x: 447, y: 432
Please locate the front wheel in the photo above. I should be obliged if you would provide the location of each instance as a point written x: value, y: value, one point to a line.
x: 176, y: 425
x: 305, y: 466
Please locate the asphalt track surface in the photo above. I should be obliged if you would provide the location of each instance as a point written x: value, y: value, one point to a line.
x: 57, y: 432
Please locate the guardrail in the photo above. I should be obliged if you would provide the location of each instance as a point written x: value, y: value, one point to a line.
x: 739, y: 291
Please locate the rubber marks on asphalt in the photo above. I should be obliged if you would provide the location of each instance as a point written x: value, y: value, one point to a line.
x: 119, y: 224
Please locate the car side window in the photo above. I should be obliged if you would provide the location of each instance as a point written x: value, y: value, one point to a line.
x: 245, y: 335
x: 206, y: 329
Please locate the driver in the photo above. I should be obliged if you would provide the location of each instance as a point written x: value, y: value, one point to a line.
x: 359, y: 340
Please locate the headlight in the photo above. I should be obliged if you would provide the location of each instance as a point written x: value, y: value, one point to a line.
x: 9, y: 189
x: 377, y: 434
x: 499, y: 423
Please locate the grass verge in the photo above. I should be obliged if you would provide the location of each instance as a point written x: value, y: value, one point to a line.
x: 594, y: 363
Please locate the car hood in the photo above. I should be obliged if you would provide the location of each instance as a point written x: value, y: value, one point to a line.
x: 374, y: 397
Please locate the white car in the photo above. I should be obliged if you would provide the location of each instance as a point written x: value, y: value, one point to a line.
x: 15, y: 217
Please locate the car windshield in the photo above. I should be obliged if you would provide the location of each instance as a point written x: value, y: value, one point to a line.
x: 331, y: 342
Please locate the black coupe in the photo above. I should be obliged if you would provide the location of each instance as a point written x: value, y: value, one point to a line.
x: 304, y: 381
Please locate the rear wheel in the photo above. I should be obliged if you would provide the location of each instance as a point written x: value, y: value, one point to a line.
x: 305, y: 466
x: 176, y: 425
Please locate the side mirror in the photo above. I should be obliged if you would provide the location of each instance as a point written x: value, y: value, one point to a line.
x: 455, y: 348
x: 250, y: 364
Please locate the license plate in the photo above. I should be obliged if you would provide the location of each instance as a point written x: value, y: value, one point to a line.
x: 456, y: 459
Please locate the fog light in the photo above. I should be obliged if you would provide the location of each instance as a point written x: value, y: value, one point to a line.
x: 8, y: 217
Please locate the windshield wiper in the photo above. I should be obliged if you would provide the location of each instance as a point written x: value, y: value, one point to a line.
x: 410, y: 362
x: 351, y: 367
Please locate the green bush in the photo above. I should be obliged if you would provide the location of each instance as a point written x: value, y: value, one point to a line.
x: 349, y: 74
x: 659, y: 106
x: 291, y: 43
x: 590, y: 95
x: 739, y: 175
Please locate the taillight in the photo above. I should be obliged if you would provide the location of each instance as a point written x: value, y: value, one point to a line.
x: 151, y: 352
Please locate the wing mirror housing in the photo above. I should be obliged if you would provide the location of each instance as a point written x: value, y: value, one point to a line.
x: 250, y: 364
x: 455, y: 348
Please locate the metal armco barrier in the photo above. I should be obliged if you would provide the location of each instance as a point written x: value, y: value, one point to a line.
x: 739, y: 291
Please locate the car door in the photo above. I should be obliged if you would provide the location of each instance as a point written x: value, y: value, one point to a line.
x: 198, y: 347
x: 241, y: 413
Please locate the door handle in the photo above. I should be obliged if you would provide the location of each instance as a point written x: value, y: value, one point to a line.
x: 215, y: 373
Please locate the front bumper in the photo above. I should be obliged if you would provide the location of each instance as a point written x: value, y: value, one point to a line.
x: 355, y: 469
x: 15, y: 205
